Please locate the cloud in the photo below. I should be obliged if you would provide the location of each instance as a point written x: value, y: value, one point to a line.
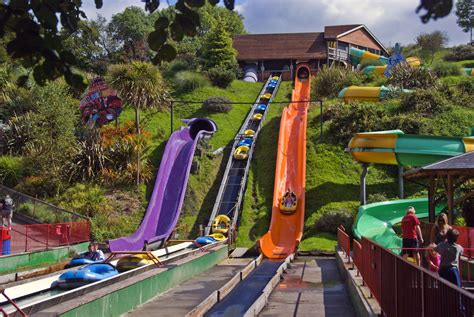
x: 390, y: 20
x: 112, y: 7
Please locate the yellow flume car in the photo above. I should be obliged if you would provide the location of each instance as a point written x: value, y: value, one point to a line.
x: 221, y: 224
x: 131, y: 262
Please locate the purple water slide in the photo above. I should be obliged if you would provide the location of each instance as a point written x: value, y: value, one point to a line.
x: 170, y: 186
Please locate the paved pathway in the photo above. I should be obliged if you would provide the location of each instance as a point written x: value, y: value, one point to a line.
x: 313, y: 287
x: 181, y: 299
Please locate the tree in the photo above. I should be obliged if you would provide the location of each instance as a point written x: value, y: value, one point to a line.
x: 140, y: 85
x: 430, y: 43
x: 218, y: 50
x: 230, y: 21
x: 89, y: 44
x: 37, y: 42
x: 465, y: 13
x: 130, y: 29
x: 53, y: 122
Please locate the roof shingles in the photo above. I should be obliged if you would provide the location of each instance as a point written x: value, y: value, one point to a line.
x: 280, y: 46
x: 332, y: 31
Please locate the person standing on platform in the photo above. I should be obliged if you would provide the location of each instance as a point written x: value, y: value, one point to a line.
x: 411, y: 235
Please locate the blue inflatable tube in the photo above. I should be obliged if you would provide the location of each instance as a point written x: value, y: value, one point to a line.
x: 246, y: 142
x: 205, y: 240
x: 80, y: 261
x: 86, y: 275
x: 261, y: 107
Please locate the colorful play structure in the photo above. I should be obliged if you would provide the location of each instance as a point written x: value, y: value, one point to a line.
x: 378, y: 65
x: 129, y: 270
x: 376, y: 221
x: 374, y: 65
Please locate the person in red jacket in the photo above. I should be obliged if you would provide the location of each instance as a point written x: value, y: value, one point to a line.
x: 411, y: 235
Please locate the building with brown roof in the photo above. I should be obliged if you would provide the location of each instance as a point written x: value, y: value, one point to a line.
x: 267, y: 53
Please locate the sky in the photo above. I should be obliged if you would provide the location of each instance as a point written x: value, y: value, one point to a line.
x: 391, y: 21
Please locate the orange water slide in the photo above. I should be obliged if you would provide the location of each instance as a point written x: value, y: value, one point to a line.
x: 286, y: 230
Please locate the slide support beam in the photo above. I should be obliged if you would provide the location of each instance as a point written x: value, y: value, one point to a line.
x: 363, y: 187
x: 401, y: 185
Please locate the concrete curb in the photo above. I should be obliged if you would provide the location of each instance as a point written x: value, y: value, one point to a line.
x: 219, y: 294
x: 359, y: 295
x: 262, y: 300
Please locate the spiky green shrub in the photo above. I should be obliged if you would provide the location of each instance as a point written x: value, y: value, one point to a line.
x: 331, y: 80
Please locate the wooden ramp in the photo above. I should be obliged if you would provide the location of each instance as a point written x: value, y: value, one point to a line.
x: 313, y: 287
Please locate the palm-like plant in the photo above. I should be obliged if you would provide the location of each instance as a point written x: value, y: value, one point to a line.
x: 140, y: 85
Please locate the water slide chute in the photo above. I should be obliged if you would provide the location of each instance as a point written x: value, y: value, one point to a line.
x: 170, y: 187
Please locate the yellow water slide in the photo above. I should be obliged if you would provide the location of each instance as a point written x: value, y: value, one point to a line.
x: 286, y: 227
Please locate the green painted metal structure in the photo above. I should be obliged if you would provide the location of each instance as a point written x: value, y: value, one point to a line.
x: 420, y: 150
x: 125, y: 299
x: 24, y: 261
x: 375, y: 221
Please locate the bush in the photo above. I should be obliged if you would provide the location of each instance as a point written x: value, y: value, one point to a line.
x: 466, y: 86
x: 460, y: 53
x: 329, y: 221
x: 353, y: 118
x: 12, y: 170
x: 330, y: 80
x: 217, y: 105
x: 40, y: 212
x: 377, y: 197
x: 407, y: 77
x: 409, y: 123
x: 221, y: 77
x: 177, y: 66
x: 187, y: 81
x: 87, y: 200
x: 39, y: 186
x: 425, y: 102
x: 446, y: 69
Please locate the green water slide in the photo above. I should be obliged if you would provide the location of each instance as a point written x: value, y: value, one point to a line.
x: 375, y: 221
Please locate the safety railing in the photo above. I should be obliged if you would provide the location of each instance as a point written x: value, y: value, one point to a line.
x: 405, y: 289
x: 357, y: 256
x: 345, y: 242
x: 25, y: 238
x: 39, y: 210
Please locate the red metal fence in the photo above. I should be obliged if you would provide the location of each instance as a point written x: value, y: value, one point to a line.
x: 404, y: 289
x: 345, y: 242
x: 36, y: 237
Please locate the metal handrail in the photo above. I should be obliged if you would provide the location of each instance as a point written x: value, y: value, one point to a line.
x: 41, y: 202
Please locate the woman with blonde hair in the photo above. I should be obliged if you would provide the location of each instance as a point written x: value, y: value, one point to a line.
x: 439, y: 230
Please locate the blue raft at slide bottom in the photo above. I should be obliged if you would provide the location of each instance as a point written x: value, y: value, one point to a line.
x: 81, y: 261
x: 86, y: 275
x: 205, y: 240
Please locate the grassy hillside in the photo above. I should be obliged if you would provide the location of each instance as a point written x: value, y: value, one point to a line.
x: 332, y: 182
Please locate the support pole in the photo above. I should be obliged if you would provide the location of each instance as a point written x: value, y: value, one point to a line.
x: 450, y: 195
x: 401, y: 185
x: 363, y: 176
x: 172, y: 114
x: 431, y: 199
